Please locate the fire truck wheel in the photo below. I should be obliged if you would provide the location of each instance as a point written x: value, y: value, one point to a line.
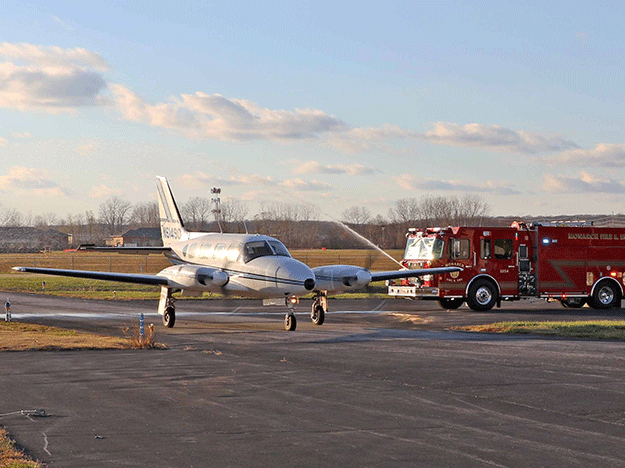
x: 606, y: 296
x: 451, y: 303
x: 573, y: 302
x: 482, y: 295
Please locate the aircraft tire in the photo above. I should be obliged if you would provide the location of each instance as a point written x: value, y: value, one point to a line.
x: 318, y: 315
x: 451, y: 303
x: 290, y: 322
x: 169, y: 317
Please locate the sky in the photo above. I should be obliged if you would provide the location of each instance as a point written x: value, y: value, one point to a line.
x: 337, y: 104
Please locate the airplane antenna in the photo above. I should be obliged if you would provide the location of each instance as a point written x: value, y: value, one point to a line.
x: 217, y: 210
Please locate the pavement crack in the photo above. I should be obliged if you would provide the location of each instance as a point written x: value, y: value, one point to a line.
x: 45, y: 443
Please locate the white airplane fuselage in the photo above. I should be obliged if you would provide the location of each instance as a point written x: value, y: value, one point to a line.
x: 242, y: 264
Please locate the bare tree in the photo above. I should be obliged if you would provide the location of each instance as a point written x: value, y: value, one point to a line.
x: 114, y: 214
x: 196, y: 213
x: 356, y: 215
x: 234, y: 211
x: 145, y: 214
x: 472, y: 210
x: 405, y: 211
x: 12, y: 218
x: 45, y: 220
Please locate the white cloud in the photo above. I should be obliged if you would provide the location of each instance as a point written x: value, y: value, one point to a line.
x: 3, y: 142
x: 29, y: 180
x: 314, y: 167
x: 86, y: 149
x: 63, y: 24
x: 104, y: 191
x: 585, y: 183
x: 50, y: 78
x: 203, y: 115
x: 495, y: 138
x: 410, y: 182
x: 202, y: 180
x: 53, y: 56
x: 357, y: 140
x: 20, y: 134
x: 603, y: 155
x: 306, y: 185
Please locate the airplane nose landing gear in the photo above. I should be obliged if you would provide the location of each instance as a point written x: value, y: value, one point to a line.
x: 290, y: 322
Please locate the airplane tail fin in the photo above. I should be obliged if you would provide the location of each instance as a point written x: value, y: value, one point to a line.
x: 172, y: 227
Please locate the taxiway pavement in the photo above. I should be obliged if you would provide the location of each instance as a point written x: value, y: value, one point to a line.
x: 381, y: 383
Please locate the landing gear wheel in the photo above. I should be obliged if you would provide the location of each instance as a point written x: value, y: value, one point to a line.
x: 318, y: 315
x: 482, y: 295
x: 450, y: 303
x: 290, y: 322
x: 573, y: 302
x: 606, y: 296
x: 169, y: 317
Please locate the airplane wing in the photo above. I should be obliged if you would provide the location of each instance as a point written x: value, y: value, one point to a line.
x: 343, y: 278
x: 127, y: 250
x: 153, y: 280
x: 387, y: 275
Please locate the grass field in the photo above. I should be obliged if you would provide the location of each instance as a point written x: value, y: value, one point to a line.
x: 11, y: 281
x: 592, y: 329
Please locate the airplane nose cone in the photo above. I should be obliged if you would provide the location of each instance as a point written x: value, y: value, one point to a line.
x: 309, y: 284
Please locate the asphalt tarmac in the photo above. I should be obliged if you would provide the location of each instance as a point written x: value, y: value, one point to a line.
x: 381, y: 383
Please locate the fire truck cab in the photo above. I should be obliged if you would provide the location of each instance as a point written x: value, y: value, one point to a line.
x: 576, y: 265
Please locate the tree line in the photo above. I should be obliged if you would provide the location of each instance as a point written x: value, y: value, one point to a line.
x: 298, y: 225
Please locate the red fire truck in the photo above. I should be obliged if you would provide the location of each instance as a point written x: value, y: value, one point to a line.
x: 576, y: 265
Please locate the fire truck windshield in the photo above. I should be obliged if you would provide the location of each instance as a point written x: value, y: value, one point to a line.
x: 424, y: 248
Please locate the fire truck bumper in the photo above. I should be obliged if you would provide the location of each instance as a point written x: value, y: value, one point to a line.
x: 413, y: 291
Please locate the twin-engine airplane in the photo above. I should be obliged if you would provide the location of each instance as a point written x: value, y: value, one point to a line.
x: 248, y: 265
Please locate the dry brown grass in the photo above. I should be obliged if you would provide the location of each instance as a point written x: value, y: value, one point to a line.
x: 16, y: 336
x: 10, y: 457
x: 613, y: 330
x: 145, y: 341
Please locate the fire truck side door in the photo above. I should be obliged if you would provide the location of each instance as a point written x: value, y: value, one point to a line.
x: 503, y: 265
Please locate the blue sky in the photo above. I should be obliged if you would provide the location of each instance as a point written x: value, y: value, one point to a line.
x: 332, y: 103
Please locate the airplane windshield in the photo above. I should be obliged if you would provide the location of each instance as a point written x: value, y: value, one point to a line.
x: 424, y: 248
x: 256, y: 249
x: 279, y: 248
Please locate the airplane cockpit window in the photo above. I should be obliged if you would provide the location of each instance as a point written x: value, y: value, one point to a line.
x: 256, y: 249
x: 279, y: 248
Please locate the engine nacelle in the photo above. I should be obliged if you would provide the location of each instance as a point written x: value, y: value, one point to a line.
x: 195, y: 277
x: 341, y: 278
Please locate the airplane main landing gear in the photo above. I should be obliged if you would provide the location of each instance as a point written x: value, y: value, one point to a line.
x: 319, y: 308
x: 169, y: 317
x: 166, y: 307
